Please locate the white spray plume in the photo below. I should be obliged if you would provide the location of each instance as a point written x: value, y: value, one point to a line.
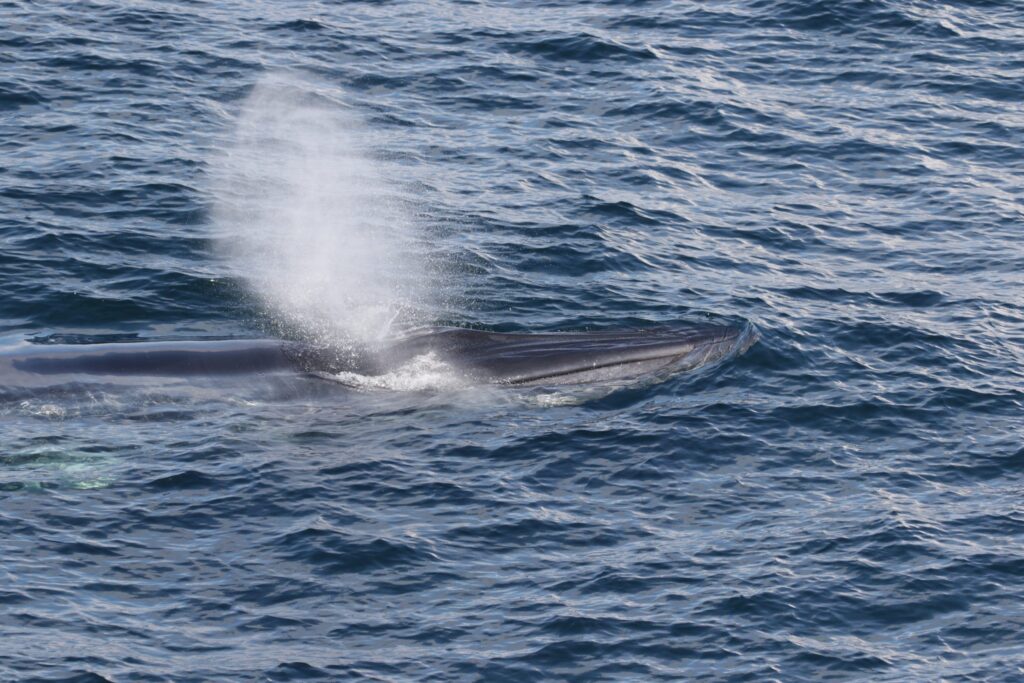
x: 306, y: 214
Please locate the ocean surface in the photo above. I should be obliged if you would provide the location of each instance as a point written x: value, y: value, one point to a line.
x: 844, y: 501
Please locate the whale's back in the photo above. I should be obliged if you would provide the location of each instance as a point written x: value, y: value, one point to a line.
x: 570, y: 358
x: 476, y: 355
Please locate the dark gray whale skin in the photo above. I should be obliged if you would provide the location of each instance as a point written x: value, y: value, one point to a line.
x: 479, y: 356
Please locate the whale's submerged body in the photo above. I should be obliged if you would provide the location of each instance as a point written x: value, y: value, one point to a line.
x: 476, y: 356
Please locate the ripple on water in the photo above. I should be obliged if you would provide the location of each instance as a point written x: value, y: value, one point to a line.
x: 841, y: 502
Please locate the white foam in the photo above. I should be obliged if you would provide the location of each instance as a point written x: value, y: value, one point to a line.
x: 422, y: 373
x: 47, y: 410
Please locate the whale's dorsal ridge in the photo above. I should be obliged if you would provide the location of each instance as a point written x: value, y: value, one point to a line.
x: 478, y: 355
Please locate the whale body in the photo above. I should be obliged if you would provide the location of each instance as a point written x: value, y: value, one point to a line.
x: 522, y: 359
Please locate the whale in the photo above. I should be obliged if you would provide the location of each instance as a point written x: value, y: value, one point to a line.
x: 476, y: 356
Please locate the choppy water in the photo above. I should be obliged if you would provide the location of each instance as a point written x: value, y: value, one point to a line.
x: 842, y: 502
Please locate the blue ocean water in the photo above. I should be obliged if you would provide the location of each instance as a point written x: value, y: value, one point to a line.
x: 841, y: 502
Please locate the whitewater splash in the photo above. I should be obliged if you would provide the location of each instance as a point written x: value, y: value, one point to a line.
x: 307, y: 216
x: 423, y: 373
